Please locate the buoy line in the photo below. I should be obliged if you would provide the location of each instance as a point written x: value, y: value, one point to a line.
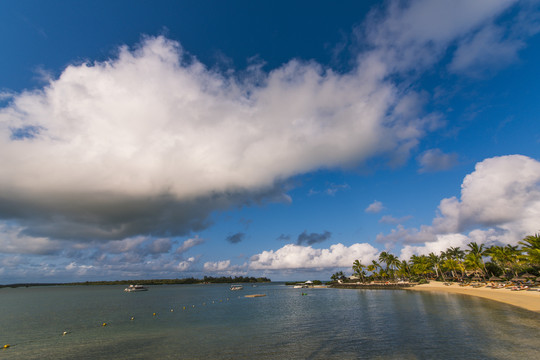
x: 103, y: 324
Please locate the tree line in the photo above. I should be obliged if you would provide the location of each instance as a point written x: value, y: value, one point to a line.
x: 506, y: 261
x: 190, y: 280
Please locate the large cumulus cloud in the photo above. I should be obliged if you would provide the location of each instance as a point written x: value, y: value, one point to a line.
x: 151, y: 141
x: 499, y: 204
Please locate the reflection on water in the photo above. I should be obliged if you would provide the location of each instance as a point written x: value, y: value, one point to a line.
x: 219, y: 324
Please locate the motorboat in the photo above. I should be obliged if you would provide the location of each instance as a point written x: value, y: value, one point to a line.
x: 132, y: 288
x: 236, y: 287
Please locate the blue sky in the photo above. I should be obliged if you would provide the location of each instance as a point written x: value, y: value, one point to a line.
x: 282, y: 139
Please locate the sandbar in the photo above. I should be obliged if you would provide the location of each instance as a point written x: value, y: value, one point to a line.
x: 529, y: 300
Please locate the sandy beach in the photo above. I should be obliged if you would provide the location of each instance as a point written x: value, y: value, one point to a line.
x: 529, y: 300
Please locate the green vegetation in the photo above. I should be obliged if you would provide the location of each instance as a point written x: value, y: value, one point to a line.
x: 477, y: 261
x: 206, y: 280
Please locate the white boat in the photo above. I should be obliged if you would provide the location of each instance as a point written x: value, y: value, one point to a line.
x: 132, y: 288
x: 236, y: 287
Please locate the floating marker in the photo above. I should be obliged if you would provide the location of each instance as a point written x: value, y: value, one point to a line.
x: 184, y: 308
x: 6, y: 346
x: 64, y: 333
x: 104, y: 324
x: 172, y: 310
x: 132, y: 318
x: 153, y: 314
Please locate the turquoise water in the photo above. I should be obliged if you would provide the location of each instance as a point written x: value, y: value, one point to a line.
x: 220, y: 324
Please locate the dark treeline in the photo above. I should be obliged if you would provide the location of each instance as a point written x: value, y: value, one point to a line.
x: 191, y: 280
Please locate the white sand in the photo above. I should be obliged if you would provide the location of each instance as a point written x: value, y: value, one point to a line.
x: 529, y: 300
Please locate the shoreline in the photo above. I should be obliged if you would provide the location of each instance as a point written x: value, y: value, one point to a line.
x: 529, y: 300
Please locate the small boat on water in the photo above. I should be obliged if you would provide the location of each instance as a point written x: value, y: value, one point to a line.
x: 236, y: 287
x: 132, y: 288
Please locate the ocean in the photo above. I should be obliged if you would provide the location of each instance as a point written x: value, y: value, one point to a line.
x: 212, y: 322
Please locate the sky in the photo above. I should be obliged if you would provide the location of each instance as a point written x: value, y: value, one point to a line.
x: 173, y: 139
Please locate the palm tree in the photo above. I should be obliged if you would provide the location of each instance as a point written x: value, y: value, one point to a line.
x: 531, y: 246
x: 473, y: 262
x: 420, y: 265
x: 373, y: 267
x: 358, y: 269
x: 456, y: 254
x: 383, y: 258
x: 436, y: 263
x: 391, y: 262
x: 338, y: 276
x: 508, y: 258
x: 450, y: 263
x: 478, y: 251
x: 403, y: 269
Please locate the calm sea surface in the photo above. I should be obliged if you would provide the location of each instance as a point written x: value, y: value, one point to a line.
x: 221, y: 324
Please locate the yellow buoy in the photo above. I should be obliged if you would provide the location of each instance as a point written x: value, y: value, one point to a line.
x: 64, y: 333
x: 184, y: 308
x: 154, y: 314
x: 172, y: 310
x: 132, y: 318
x: 104, y: 324
x: 6, y: 346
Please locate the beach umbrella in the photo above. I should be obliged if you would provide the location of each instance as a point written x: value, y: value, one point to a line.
x: 519, y: 279
x: 476, y: 278
x: 495, y: 278
x: 528, y: 276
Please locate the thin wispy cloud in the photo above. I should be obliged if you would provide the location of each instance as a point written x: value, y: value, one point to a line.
x: 389, y: 219
x: 313, y: 238
x: 284, y: 237
x: 236, y: 238
x: 434, y: 160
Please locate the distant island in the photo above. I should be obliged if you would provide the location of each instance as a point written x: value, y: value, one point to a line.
x: 191, y: 280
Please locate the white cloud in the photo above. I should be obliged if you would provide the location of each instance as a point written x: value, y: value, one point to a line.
x: 305, y: 257
x: 442, y: 243
x: 435, y: 160
x: 123, y: 246
x: 217, y: 266
x: 415, y: 34
x: 389, y: 219
x: 487, y: 49
x: 188, y: 244
x: 500, y: 202
x: 159, y: 246
x: 146, y: 142
x: 152, y: 142
x: 374, y: 207
x: 13, y: 241
x: 78, y: 269
x: 185, y: 264
x: 502, y: 191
